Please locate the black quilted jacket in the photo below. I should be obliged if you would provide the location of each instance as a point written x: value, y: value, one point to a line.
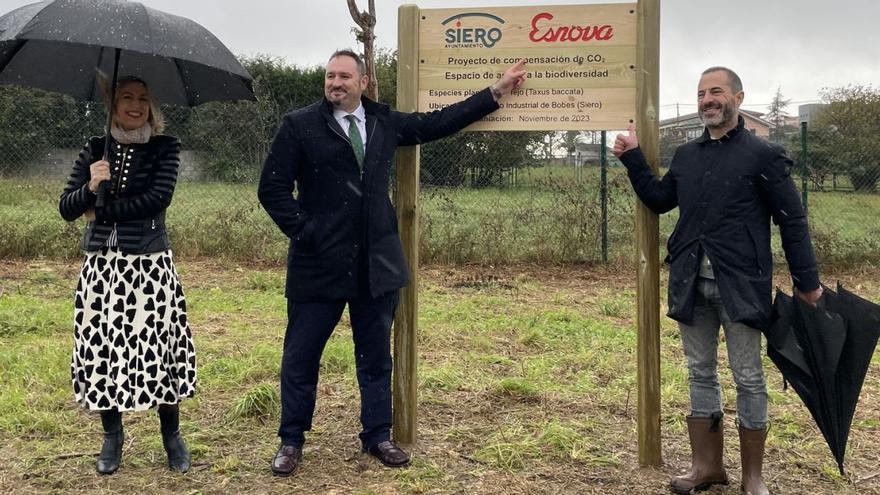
x: 143, y: 177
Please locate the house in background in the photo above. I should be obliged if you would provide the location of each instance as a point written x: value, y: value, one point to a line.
x: 587, y: 154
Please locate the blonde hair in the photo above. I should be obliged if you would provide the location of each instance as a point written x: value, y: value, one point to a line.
x: 155, y: 117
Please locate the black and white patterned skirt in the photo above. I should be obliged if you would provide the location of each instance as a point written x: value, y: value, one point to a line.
x: 133, y: 349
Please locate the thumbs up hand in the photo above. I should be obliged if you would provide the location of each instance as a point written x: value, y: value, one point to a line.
x: 626, y: 142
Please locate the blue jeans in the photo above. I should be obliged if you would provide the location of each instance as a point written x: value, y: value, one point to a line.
x: 700, y: 341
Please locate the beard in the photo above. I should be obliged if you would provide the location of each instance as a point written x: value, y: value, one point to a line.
x: 336, y: 99
x: 720, y: 118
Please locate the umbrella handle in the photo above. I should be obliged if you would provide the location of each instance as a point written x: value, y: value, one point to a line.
x: 105, y: 186
x: 102, y: 194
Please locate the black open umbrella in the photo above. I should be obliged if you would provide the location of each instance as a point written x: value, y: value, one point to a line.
x: 56, y: 45
x: 824, y: 353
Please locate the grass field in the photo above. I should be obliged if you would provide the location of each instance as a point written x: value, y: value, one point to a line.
x: 526, y: 383
x: 556, y: 219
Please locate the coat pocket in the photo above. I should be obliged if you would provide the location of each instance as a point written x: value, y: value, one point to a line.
x: 755, y: 250
x: 670, y: 242
x: 303, y: 244
x: 316, y: 235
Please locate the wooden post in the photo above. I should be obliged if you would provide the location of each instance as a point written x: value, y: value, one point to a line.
x: 406, y: 200
x: 647, y: 236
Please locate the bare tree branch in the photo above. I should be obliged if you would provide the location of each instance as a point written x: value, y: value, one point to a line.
x: 353, y: 10
x: 366, y: 35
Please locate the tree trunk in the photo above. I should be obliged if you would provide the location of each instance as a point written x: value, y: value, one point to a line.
x: 367, y: 22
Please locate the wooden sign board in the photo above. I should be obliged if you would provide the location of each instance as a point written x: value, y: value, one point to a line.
x: 581, y: 62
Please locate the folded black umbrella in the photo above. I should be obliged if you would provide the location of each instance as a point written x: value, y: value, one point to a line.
x: 824, y: 353
x: 862, y: 318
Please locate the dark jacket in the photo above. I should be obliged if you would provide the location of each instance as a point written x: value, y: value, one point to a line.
x: 142, y: 181
x: 727, y: 190
x: 342, y: 226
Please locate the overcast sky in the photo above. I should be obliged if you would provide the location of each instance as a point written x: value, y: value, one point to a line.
x: 800, y: 46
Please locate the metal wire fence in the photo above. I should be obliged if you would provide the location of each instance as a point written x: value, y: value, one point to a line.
x: 486, y: 197
x: 839, y: 175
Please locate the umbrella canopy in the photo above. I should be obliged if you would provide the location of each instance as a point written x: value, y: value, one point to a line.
x: 55, y: 45
x: 824, y: 353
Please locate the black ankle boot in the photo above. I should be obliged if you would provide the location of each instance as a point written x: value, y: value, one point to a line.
x: 178, y: 455
x: 111, y: 452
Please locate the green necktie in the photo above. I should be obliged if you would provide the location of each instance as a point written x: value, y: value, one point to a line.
x: 357, y: 144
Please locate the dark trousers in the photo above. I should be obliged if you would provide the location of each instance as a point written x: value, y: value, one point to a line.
x: 309, y: 325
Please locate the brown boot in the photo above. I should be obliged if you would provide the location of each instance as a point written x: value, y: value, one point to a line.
x: 751, y: 453
x: 707, y: 449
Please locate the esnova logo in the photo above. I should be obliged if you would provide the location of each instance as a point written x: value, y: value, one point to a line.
x: 457, y: 35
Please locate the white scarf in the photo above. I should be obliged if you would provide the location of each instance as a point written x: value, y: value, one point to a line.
x: 140, y: 135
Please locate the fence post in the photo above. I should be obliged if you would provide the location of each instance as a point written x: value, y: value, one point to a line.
x: 406, y: 200
x: 648, y: 237
x: 603, y: 188
x: 804, y: 169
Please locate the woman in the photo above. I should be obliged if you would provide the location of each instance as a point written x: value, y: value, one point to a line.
x: 132, y: 346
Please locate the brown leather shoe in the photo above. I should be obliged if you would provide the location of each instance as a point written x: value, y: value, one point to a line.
x: 286, y: 460
x: 389, y: 454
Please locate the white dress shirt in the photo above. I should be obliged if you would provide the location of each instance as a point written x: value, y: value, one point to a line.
x: 361, y: 116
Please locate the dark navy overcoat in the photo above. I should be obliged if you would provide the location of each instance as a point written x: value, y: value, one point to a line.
x: 341, y: 223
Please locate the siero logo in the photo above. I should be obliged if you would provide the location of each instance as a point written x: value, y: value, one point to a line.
x: 458, y: 36
x: 541, y: 32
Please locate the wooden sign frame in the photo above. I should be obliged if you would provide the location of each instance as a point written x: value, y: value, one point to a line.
x: 581, y: 63
x: 646, y: 76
